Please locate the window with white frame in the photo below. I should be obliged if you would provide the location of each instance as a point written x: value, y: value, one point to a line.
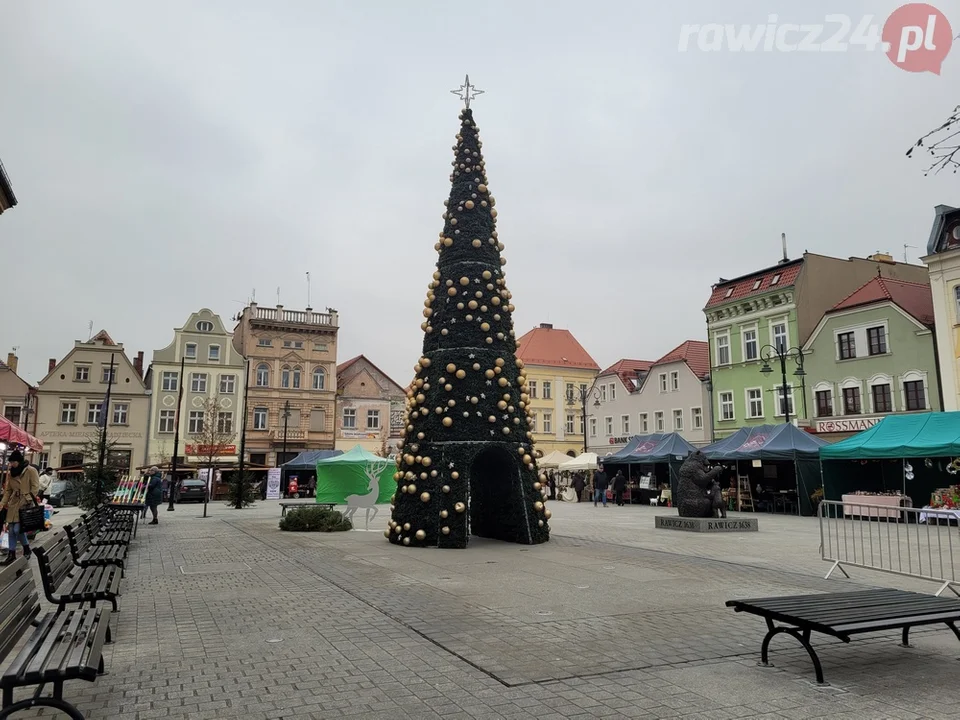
x: 547, y: 390
x: 349, y: 418
x: 284, y: 377
x: 195, y: 422
x: 297, y: 372
x: 571, y: 423
x: 678, y: 420
x: 754, y: 403
x: 613, y: 392
x: 778, y: 393
x: 571, y: 393
x: 658, y: 422
x: 913, y: 391
x: 532, y: 389
x: 751, y: 348
x: 93, y: 413
x: 624, y: 424
x: 779, y: 332
x: 109, y: 374
x: 190, y: 351
x: 68, y: 413
x: 723, y: 348
x: 225, y: 422
x: 198, y: 382
x: 533, y: 422
x: 169, y: 381
x: 851, y: 400
x: 603, y: 393
x: 319, y: 379
x: 674, y: 381
x: 663, y: 382
x: 264, y: 342
x: 260, y: 418
x: 319, y: 347
x: 166, y: 421
x: 696, y: 416
x: 121, y: 412
x: 204, y: 326
x: 881, y: 397
x: 956, y: 298
x: 293, y: 344
x: 644, y: 425
x: 608, y: 426
x: 13, y: 412
x: 593, y: 427
x: 373, y: 419
x: 823, y: 394
x: 583, y: 428
x: 81, y: 373
x: 213, y: 353
x: 228, y: 384
x: 548, y: 422
x: 726, y: 406
x: 263, y: 375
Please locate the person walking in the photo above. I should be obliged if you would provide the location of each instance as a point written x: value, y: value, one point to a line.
x: 619, y: 484
x: 579, y: 484
x: 600, y: 485
x: 21, y: 485
x: 154, y: 492
x: 46, y: 480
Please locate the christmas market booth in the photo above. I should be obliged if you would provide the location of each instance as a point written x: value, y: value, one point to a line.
x: 650, y: 462
x: 774, y: 468
x: 356, y: 478
x: 304, y: 467
x: 904, y: 461
x: 11, y: 436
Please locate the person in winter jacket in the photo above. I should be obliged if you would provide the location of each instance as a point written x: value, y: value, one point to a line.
x: 154, y: 492
x: 600, y: 484
x: 21, y: 485
x: 619, y: 485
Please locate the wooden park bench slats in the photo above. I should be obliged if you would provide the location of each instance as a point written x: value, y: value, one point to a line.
x: 85, y: 554
x: 848, y: 613
x: 104, y: 531
x: 65, y: 583
x: 284, y: 504
x: 66, y: 645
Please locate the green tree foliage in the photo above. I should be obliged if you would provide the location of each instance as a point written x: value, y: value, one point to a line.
x: 314, y: 519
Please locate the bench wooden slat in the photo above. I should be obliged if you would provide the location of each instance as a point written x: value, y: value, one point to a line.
x: 18, y: 604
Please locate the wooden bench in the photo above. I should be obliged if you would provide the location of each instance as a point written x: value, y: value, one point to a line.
x: 848, y: 613
x: 104, y: 531
x: 86, y: 554
x: 66, y: 584
x: 303, y: 503
x: 65, y: 645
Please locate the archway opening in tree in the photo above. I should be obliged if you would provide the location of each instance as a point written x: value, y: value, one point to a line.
x: 496, y: 496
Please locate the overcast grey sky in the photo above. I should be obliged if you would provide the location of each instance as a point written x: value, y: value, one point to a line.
x: 171, y: 156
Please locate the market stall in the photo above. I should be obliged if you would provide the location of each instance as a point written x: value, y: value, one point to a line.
x: 552, y: 461
x: 782, y: 460
x: 11, y: 435
x: 650, y: 462
x: 356, y: 478
x: 582, y: 462
x: 903, y: 461
x: 304, y: 468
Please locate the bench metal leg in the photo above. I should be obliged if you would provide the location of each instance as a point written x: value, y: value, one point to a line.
x: 803, y: 636
x: 905, y: 636
x: 953, y: 627
x: 58, y: 703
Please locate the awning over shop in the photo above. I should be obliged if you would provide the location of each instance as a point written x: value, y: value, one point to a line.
x: 766, y: 442
x: 923, y: 435
x: 652, y: 449
x: 10, y: 434
x: 584, y: 461
x: 553, y: 460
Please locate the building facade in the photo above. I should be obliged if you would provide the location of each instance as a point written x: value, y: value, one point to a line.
x: 558, y: 368
x: 17, y: 396
x: 213, y: 374
x: 370, y: 408
x: 873, y: 354
x: 943, y: 261
x: 292, y: 397
x: 70, y: 400
x: 612, y: 406
x: 778, y: 306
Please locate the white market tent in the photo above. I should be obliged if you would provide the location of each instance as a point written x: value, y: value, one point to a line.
x: 584, y: 461
x: 553, y: 460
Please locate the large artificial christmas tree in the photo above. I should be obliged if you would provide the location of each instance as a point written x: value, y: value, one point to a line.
x: 468, y: 463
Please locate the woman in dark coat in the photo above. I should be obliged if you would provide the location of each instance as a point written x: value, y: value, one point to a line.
x: 579, y: 484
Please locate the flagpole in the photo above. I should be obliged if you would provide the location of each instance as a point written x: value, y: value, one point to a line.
x: 104, y: 414
x: 172, y: 487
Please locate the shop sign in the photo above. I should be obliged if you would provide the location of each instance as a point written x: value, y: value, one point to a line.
x: 621, y: 440
x: 359, y: 434
x: 851, y: 425
x: 211, y: 450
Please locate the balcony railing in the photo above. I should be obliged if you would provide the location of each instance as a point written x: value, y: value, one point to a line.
x: 277, y: 434
x: 298, y: 317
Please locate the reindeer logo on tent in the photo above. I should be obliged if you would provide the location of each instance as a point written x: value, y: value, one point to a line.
x: 358, y: 479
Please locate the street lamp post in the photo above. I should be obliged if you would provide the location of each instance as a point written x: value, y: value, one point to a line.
x: 783, y: 353
x: 286, y: 418
x: 581, y: 395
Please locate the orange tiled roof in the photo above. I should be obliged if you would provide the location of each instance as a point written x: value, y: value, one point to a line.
x: 628, y: 371
x: 914, y: 298
x: 747, y: 285
x: 547, y: 346
x: 695, y: 353
x: 342, y: 367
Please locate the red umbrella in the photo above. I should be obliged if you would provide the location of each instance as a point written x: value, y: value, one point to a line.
x: 10, y: 434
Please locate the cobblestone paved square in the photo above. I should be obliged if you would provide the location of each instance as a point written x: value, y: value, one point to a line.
x: 227, y: 617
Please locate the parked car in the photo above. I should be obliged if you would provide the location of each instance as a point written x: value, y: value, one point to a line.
x: 64, y: 492
x: 192, y: 489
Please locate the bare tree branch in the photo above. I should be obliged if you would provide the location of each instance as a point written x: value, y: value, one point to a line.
x: 943, y: 145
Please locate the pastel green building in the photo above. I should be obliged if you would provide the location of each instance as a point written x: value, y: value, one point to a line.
x: 778, y: 306
x: 873, y: 354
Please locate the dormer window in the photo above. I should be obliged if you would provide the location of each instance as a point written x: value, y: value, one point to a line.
x: 775, y: 279
x: 204, y: 326
x: 757, y: 284
x: 729, y: 292
x: 953, y: 235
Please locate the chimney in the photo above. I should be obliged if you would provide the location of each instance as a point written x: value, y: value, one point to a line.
x: 546, y: 326
x: 12, y: 361
x: 783, y: 243
x: 51, y: 364
x: 138, y: 364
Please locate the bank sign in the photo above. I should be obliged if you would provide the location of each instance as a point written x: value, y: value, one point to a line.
x: 851, y: 425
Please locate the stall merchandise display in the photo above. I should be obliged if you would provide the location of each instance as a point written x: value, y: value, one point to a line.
x: 130, y: 491
x: 948, y: 498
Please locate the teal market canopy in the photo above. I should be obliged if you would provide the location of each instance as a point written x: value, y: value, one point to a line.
x: 902, y: 436
x: 308, y: 459
x: 652, y: 449
x: 766, y: 442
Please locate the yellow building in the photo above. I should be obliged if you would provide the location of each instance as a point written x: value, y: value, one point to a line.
x: 558, y: 371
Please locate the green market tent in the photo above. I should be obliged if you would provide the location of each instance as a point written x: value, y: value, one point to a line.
x: 355, y: 472
x: 874, y: 459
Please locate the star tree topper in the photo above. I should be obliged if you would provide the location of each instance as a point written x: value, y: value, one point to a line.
x: 467, y: 92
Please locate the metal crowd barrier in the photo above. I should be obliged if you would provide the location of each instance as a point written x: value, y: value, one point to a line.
x: 889, y: 539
